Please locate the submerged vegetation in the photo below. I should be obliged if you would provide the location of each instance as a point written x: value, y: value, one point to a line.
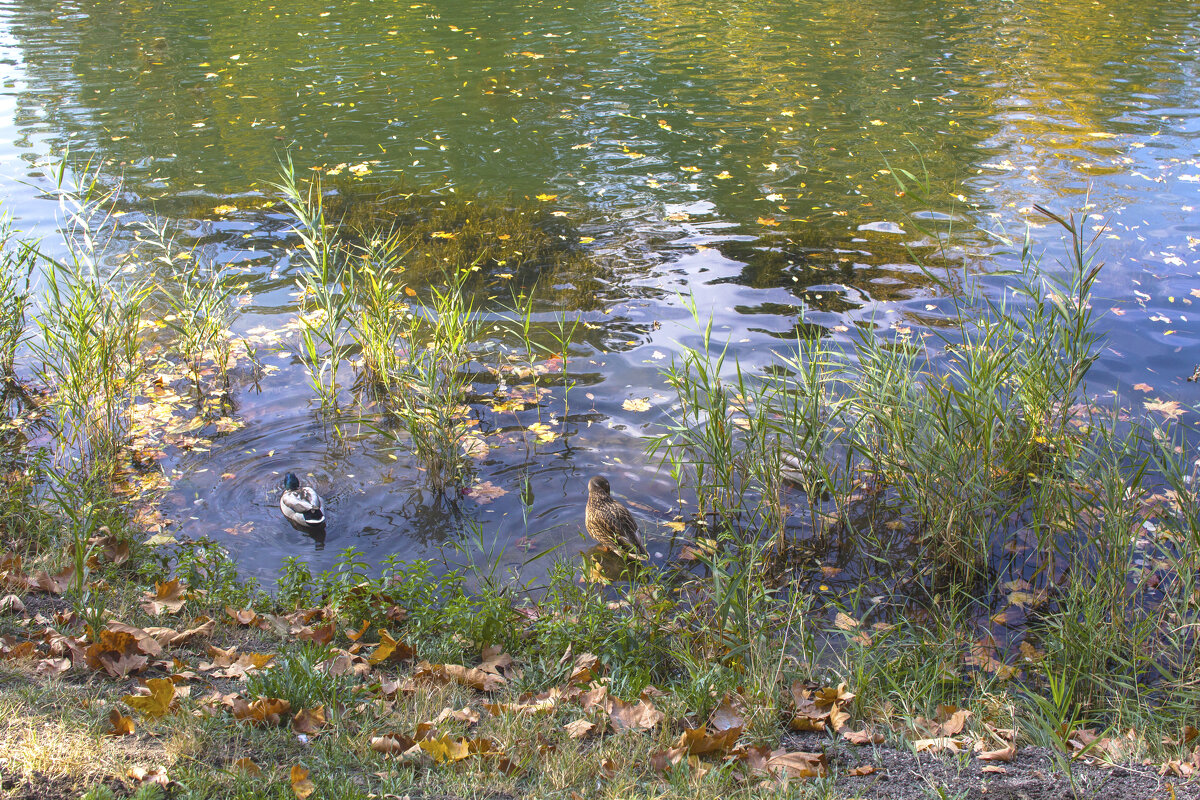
x: 934, y: 541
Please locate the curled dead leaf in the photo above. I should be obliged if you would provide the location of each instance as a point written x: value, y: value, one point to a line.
x: 302, y: 787
x: 392, y: 744
x: 119, y: 724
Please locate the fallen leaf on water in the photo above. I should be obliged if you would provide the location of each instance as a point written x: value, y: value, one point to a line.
x: 636, y: 404
x: 485, y: 492
x: 1171, y: 409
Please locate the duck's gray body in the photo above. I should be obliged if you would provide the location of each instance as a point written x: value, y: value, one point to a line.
x: 301, y: 504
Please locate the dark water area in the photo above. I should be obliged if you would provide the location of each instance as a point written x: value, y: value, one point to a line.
x: 744, y: 157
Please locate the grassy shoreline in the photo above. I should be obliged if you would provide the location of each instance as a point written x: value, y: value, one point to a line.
x: 1024, y: 563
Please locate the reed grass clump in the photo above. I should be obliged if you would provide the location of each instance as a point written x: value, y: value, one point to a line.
x: 87, y: 348
x: 199, y: 300
x: 17, y: 261
x: 946, y: 442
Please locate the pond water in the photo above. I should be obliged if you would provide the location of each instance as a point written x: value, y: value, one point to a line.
x: 743, y: 154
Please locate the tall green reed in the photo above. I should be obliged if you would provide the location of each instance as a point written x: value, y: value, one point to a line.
x: 88, y: 344
x: 17, y: 261
x: 325, y: 304
x: 199, y: 298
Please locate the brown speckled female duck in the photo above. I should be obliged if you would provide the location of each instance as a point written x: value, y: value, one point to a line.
x: 610, y: 523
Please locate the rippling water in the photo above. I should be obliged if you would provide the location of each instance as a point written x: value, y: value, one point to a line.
x: 745, y: 156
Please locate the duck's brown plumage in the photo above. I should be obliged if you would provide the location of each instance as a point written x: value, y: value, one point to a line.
x: 609, y: 522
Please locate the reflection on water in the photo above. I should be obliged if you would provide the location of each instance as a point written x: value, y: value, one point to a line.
x: 762, y: 160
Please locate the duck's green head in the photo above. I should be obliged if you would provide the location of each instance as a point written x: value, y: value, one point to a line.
x: 290, y: 482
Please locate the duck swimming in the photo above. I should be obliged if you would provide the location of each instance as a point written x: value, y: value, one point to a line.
x: 301, y: 505
x: 610, y: 523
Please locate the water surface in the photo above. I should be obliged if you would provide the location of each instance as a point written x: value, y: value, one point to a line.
x: 746, y: 157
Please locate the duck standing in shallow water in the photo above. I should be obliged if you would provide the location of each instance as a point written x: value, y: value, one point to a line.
x: 610, y: 523
x: 301, y: 505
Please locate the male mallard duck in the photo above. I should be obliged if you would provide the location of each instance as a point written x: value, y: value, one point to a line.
x: 301, y: 505
x: 609, y: 522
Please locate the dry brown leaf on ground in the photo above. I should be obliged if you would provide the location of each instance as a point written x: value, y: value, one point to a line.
x: 168, y: 637
x: 53, y: 584
x: 11, y: 604
x: 949, y: 721
x: 246, y: 766
x: 596, y: 697
x: 156, y: 774
x: 354, y: 636
x: 865, y: 736
x: 1003, y: 754
x: 12, y: 649
x: 445, y: 749
x: 321, y: 634
x: 345, y: 663
x: 817, y: 709
x: 228, y: 664
x: 457, y: 673
x: 937, y: 744
x: 302, y: 787
x: 113, y: 550
x: 633, y: 716
x: 730, y: 714
x: 585, y: 669
x: 796, y: 764
x: 241, y: 616
x: 392, y: 744
x: 530, y: 709
x: 156, y: 701
x: 465, y: 714
x: 696, y: 742
x: 495, y: 660
x: 119, y: 725
x: 390, y: 648
x: 49, y: 667
x: 117, y: 653
x: 309, y: 721
x: 266, y: 711
x: 579, y: 729
x: 865, y: 769
x: 146, y: 642
x: 168, y: 596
